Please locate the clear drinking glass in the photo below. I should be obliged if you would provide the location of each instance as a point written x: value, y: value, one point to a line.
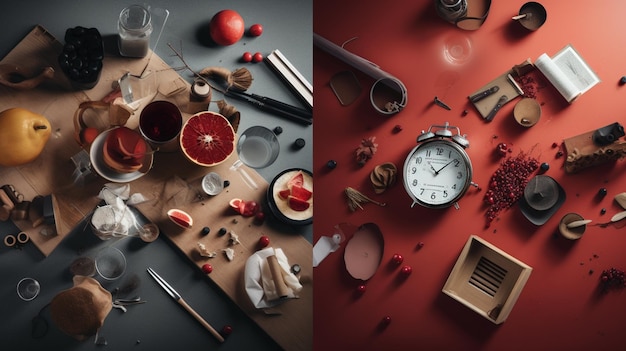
x: 110, y: 263
x: 258, y: 147
x: 28, y: 289
x: 134, y: 29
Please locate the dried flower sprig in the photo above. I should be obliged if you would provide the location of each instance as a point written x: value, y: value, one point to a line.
x: 366, y: 150
x: 356, y: 198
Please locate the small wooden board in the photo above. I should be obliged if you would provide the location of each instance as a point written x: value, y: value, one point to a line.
x: 485, y: 105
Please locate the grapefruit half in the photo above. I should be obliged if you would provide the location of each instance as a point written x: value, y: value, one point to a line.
x: 207, y: 139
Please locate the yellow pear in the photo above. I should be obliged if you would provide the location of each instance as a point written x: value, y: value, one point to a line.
x: 23, y: 135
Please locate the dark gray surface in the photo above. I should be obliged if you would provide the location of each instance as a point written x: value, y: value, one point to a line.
x: 159, y: 324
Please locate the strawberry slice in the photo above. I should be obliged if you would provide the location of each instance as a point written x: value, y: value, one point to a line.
x: 297, y: 204
x: 301, y: 192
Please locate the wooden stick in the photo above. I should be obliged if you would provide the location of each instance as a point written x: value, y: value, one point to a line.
x: 199, y: 318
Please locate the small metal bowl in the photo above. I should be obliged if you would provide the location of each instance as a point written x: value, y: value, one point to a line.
x: 535, y: 15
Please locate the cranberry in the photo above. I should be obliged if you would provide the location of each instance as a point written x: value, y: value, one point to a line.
x: 227, y: 330
x: 385, y: 321
x: 256, y: 30
x: 207, y: 268
x: 259, y: 217
x: 502, y: 149
x: 264, y: 241
x: 406, y: 270
x: 361, y: 288
x: 257, y: 57
x: 397, y: 259
x: 420, y: 244
x: 246, y: 57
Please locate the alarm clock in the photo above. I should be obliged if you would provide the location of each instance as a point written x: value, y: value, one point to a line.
x: 438, y: 171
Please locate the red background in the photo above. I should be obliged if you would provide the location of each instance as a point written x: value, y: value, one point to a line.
x: 561, y: 306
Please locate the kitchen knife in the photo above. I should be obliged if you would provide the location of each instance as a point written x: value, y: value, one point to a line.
x: 483, y: 94
x: 176, y: 296
x: 496, y: 108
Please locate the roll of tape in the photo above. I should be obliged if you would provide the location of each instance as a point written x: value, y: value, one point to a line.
x: 10, y: 240
x: 22, y: 238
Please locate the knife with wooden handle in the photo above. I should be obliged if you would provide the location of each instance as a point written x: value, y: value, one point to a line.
x: 483, y: 94
x: 496, y: 108
x: 176, y: 296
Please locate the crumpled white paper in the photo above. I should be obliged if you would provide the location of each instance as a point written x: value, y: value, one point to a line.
x: 115, y: 219
x: 258, y: 278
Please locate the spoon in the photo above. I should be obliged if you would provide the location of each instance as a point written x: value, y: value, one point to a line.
x: 520, y: 16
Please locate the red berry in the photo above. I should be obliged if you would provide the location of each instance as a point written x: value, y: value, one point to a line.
x: 257, y: 57
x: 397, y: 259
x: 420, y: 244
x: 207, y: 268
x: 406, y: 270
x: 361, y: 288
x: 246, y: 57
x: 227, y: 330
x: 386, y: 321
x: 256, y: 30
x: 259, y: 217
x: 264, y: 241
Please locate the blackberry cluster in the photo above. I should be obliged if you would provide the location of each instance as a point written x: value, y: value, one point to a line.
x: 82, y: 56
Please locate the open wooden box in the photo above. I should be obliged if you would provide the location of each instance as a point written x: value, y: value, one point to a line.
x: 486, y: 279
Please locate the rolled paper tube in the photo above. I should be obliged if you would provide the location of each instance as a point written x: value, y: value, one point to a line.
x: 362, y: 65
x: 279, y: 282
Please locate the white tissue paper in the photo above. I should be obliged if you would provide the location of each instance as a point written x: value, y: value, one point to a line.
x: 258, y: 278
x: 115, y: 219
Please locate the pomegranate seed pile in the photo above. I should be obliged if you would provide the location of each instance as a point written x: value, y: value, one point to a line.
x: 507, y: 184
x: 612, y: 278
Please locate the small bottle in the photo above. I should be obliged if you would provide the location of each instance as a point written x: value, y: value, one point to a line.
x: 199, y: 97
x: 134, y: 28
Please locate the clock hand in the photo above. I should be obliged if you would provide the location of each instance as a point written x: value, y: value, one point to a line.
x: 444, y: 166
x: 433, y: 168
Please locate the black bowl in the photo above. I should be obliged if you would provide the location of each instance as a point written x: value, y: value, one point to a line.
x: 279, y: 207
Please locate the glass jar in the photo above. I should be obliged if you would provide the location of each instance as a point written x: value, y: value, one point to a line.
x: 134, y: 27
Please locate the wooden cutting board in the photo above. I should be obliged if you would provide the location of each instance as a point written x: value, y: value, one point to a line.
x: 173, y: 182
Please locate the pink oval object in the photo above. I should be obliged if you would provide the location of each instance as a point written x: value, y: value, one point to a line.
x: 364, y: 251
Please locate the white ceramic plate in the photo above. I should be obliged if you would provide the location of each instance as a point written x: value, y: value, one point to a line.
x: 98, y: 165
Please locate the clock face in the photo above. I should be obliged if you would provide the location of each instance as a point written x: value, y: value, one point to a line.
x: 437, y: 173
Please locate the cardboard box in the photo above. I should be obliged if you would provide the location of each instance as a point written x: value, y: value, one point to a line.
x: 487, y: 279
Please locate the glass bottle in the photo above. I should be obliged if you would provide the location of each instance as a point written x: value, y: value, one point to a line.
x: 134, y: 28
